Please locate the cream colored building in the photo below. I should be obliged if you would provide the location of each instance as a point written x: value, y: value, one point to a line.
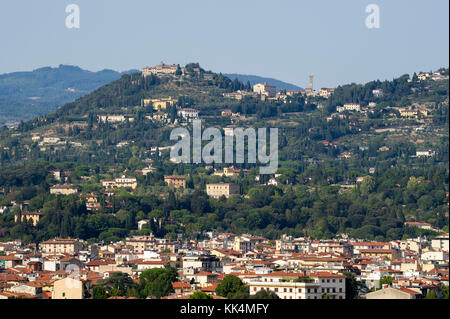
x: 440, y: 242
x: 63, y: 190
x: 61, y: 245
x: 161, y: 69
x: 114, y: 118
x: 222, y: 189
x: 326, y: 92
x: 123, y: 181
x: 68, y: 288
x: 175, y: 181
x: 265, y: 89
x: 288, y: 290
x: 286, y: 287
x: 393, y: 293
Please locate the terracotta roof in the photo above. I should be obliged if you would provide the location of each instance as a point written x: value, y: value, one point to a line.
x: 181, y: 284
x: 210, y: 288
x: 410, y: 291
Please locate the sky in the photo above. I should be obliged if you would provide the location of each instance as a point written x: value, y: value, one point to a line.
x: 283, y: 39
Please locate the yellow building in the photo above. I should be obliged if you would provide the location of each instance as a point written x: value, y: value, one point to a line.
x: 61, y: 245
x: 159, y: 103
x: 175, y: 181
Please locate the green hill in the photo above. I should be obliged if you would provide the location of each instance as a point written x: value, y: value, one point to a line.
x: 25, y: 95
x: 353, y: 172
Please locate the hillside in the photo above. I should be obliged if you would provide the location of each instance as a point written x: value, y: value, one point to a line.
x: 357, y: 162
x: 25, y: 95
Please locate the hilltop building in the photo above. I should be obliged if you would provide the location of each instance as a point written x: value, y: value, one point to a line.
x: 265, y: 89
x: 65, y: 189
x: 161, y: 69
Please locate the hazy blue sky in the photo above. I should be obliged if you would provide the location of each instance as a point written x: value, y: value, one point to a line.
x: 283, y: 39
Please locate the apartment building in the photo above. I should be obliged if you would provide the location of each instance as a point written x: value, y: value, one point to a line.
x: 300, y: 286
x: 246, y: 243
x: 208, y: 263
x: 161, y: 69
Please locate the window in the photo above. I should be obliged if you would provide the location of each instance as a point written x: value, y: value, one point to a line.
x: 276, y: 289
x: 63, y: 294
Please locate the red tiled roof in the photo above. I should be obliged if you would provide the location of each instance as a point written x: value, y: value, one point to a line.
x: 410, y: 291
x: 181, y: 284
